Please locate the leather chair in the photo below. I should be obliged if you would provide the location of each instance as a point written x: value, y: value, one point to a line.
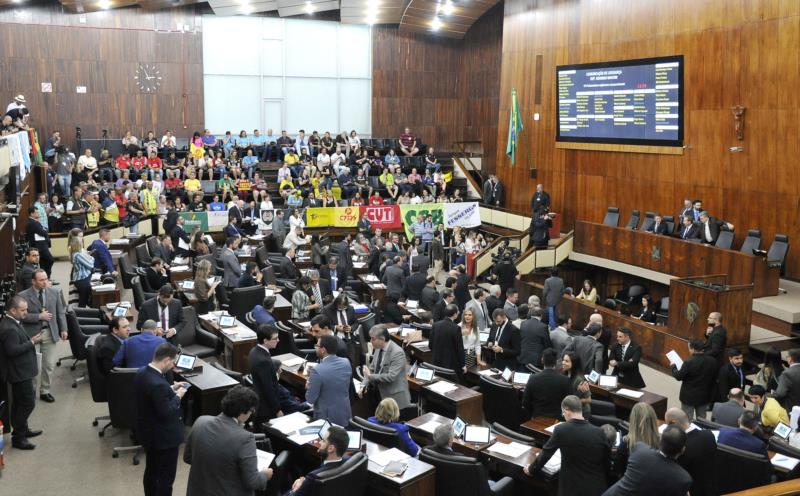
x: 279, y: 483
x: 78, y: 335
x: 242, y: 300
x: 612, y: 217
x: 236, y: 376
x: 633, y: 222
x: 751, y: 242
x: 142, y: 273
x: 458, y: 475
x: 501, y: 402
x: 152, y: 243
x: 142, y: 255
x: 268, y: 275
x: 381, y: 434
x: 122, y: 407
x: 502, y: 430
x: 662, y: 315
x: 669, y: 220
x: 208, y: 257
x: 287, y: 343
x: 195, y: 340
x: 630, y: 295
x: 127, y: 271
x: 348, y: 478
x: 707, y: 424
x: 649, y: 220
x: 261, y: 257
x: 725, y: 238
x: 776, y: 256
x: 442, y: 372
x: 533, y: 369
x: 737, y: 470
x: 97, y: 385
x: 87, y: 315
x: 139, y: 296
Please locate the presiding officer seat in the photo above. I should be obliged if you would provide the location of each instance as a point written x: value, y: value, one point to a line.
x: 612, y: 217
x: 776, y: 256
x: 458, y: 475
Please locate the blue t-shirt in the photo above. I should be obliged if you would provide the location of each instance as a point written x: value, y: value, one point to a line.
x: 216, y: 206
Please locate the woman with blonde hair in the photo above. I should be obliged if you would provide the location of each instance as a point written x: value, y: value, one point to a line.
x: 388, y: 415
x: 643, y: 427
x: 203, y: 291
x: 471, y: 339
x: 82, y: 267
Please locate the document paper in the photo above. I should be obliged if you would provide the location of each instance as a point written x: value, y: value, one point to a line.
x: 675, y: 359
x: 264, y: 459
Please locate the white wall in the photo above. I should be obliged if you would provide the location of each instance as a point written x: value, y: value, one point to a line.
x: 286, y: 74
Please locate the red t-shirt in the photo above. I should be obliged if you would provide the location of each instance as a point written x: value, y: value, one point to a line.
x: 407, y: 139
x: 357, y: 202
x: 173, y: 182
x: 121, y: 202
x: 154, y: 163
x: 376, y: 200
x: 139, y: 163
x: 123, y: 163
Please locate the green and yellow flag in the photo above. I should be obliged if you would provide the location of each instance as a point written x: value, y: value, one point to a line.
x: 514, y: 128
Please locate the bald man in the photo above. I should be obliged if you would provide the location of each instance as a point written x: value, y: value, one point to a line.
x: 605, y: 336
x: 698, y: 456
x: 716, y: 339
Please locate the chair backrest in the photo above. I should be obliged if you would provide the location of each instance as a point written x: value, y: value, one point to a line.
x: 97, y: 381
x: 751, y: 242
x: 636, y: 291
x: 457, y: 475
x: 144, y: 281
x: 242, y: 300
x: 152, y: 244
x: 126, y: 270
x: 348, y: 478
x: 738, y: 470
x: 778, y: 249
x: 707, y: 424
x: 669, y: 220
x: 286, y: 343
x: 138, y: 292
x: 77, y: 339
x: 498, y: 428
x: 268, y: 275
x: 142, y: 255
x: 501, y: 402
x: 261, y: 256
x: 612, y: 217
x: 633, y: 222
x: 725, y: 239
x: 381, y: 434
x: 121, y: 398
x: 187, y: 335
x: 442, y: 372
x: 533, y: 369
x: 236, y: 376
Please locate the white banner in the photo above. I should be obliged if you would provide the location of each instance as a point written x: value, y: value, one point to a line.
x: 462, y: 214
x: 217, y: 219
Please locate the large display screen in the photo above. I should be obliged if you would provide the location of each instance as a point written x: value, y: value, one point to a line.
x: 637, y: 102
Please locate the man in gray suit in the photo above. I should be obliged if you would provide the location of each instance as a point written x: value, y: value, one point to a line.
x: 589, y: 349
x: 560, y: 336
x: 395, y: 279
x: 478, y: 306
x: 728, y: 413
x: 387, y: 369
x: 278, y: 229
x: 788, y: 390
x: 222, y: 454
x: 46, y: 314
x: 230, y: 263
x: 553, y: 293
x: 534, y: 339
x: 329, y: 383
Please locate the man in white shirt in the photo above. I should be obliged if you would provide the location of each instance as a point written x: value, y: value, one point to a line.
x: 295, y: 238
x: 168, y: 142
x: 87, y: 160
x: 338, y: 161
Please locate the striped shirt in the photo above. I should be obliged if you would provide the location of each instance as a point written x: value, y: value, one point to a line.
x: 84, y: 264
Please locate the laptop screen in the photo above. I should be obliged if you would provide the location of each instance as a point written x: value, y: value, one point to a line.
x: 355, y: 440
x: 608, y: 381
x: 476, y: 434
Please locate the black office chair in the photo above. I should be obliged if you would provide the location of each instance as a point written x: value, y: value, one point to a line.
x: 441, y: 372
x: 348, y: 478
x: 139, y: 296
x: 662, y: 315
x: 144, y: 281
x: 751, y: 242
x: 152, y: 243
x: 287, y: 343
x: 707, y: 424
x: 77, y: 336
x: 122, y: 407
x: 261, y: 257
x: 243, y: 300
x: 725, y: 238
x: 193, y: 339
x: 142, y: 255
x: 738, y: 470
x: 97, y: 384
x: 776, y: 255
x: 458, y: 475
x: 381, y: 434
x: 612, y: 217
x: 127, y: 271
x: 630, y: 295
x: 669, y: 220
x: 649, y: 220
x: 236, y: 376
x: 510, y: 433
x: 633, y: 222
x: 268, y: 275
x: 533, y: 369
x: 501, y: 402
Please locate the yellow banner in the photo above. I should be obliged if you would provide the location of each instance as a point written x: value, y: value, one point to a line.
x: 321, y: 217
x: 346, y: 217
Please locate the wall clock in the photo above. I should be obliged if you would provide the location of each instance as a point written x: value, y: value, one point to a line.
x: 147, y: 78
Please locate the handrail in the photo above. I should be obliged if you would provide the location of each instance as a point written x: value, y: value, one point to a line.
x: 478, y: 188
x: 464, y: 155
x: 483, y: 260
x: 560, y: 251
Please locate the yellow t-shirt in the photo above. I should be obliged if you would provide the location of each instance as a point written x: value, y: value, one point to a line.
x: 192, y: 184
x: 291, y: 158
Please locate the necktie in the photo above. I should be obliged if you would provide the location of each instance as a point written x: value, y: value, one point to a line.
x: 41, y: 298
x: 317, y: 294
x: 485, y: 312
x: 378, y: 361
x: 164, y: 319
x: 334, y: 280
x: 499, y: 333
x: 741, y: 376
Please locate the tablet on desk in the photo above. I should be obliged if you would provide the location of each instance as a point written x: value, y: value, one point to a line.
x: 782, y: 431
x: 458, y: 427
x: 507, y: 374
x: 607, y: 381
x: 354, y: 443
x: 593, y: 377
x: 188, y: 285
x: 476, y: 434
x: 227, y: 321
x: 323, y: 429
x: 120, y: 311
x: 423, y: 374
x: 185, y: 362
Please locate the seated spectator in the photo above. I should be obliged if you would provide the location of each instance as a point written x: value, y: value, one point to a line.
x: 130, y: 143
x: 387, y: 180
x: 314, y: 143
x: 87, y: 161
x: 744, y: 437
x: 771, y: 411
x: 138, y: 164
x: 216, y: 205
x: 258, y: 143
x: 284, y: 142
x: 431, y: 162
x: 301, y: 142
x: 388, y: 414
x: 408, y: 143
x: 173, y: 163
x: 346, y: 183
x: 375, y: 199
x: 169, y: 143
x: 242, y: 142
x: 209, y: 141
x: 262, y: 314
x: 249, y: 163
x: 338, y: 161
x: 327, y: 143
x: 391, y: 158
x: 588, y: 292
x: 122, y: 164
x: 243, y: 188
x: 150, y: 143
x: 291, y: 161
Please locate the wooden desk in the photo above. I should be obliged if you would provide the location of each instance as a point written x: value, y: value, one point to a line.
x: 674, y: 256
x: 236, y: 348
x: 419, y: 479
x: 424, y: 438
x: 208, y: 388
x: 175, y: 276
x: 462, y: 401
x: 536, y: 428
x: 377, y: 291
x: 283, y: 308
x: 101, y: 298
x: 785, y: 488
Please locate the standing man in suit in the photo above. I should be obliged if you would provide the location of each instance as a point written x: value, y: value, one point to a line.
x: 332, y: 450
x: 728, y: 413
x: 321, y: 326
x: 438, y: 311
x: 180, y: 239
x: 584, y: 453
x: 716, y: 338
x: 686, y: 210
x: 710, y: 228
x: 540, y: 202
x: 102, y: 256
x: 659, y: 226
x: 108, y: 345
x: 159, y: 425
x: 265, y: 379
x: 394, y: 278
x: 222, y: 454
x: 689, y: 229
x: 730, y: 375
x: 545, y: 391
x: 19, y: 368
x: 387, y: 369
x: 625, y: 358
x: 342, y: 251
x: 414, y: 284
x: 46, y: 316
x: 26, y: 272
x: 697, y: 376
x: 698, y: 456
x: 232, y: 269
x: 493, y: 298
x: 278, y: 229
x: 429, y: 296
x: 332, y: 273
x: 461, y: 287
x: 286, y: 266
x: 504, y: 341
x: 656, y: 472
x: 510, y: 305
x: 553, y: 293
x: 788, y: 390
x: 446, y: 344
x: 165, y: 310
x: 40, y: 239
x: 534, y: 339
x: 328, y: 386
x: 493, y: 191
x: 478, y: 306
x: 589, y: 349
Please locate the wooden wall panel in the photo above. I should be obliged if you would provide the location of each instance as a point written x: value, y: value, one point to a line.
x: 103, y: 54
x: 445, y: 90
x: 737, y: 52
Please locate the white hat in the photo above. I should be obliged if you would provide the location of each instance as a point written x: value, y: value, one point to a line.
x: 19, y: 99
x: 91, y: 166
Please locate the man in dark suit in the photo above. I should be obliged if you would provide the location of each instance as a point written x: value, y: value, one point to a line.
x: 745, y: 437
x: 446, y: 344
x: 156, y: 274
x: 589, y: 348
x: 159, y: 426
x: 265, y: 379
x: 697, y: 376
x: 331, y: 449
x: 429, y: 296
x: 504, y: 341
x: 164, y: 250
x: 553, y: 293
x: 180, y: 239
x: 689, y: 229
x: 108, y: 345
x: 710, y: 228
x: 414, y: 283
x: 625, y: 356
x: 659, y: 226
x: 39, y: 239
x: 237, y: 211
x: 545, y: 390
x: 698, y: 456
x: 447, y: 298
x: 461, y: 287
x: 233, y: 230
x: 730, y: 375
x: 493, y: 300
x: 286, y: 266
x: 584, y: 453
x: 716, y: 338
x: 788, y: 390
x: 321, y: 326
x: 165, y: 310
x: 540, y: 202
x: 493, y: 191
x: 342, y: 317
x: 26, y: 272
x: 321, y: 292
x: 336, y: 277
x: 19, y: 369
x: 251, y: 276
x: 534, y: 339
x: 342, y: 251
x: 394, y: 278
x: 656, y: 471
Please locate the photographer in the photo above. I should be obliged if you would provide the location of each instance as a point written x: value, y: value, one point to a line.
x: 540, y: 229
x: 505, y: 272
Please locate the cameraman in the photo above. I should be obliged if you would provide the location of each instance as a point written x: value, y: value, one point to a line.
x: 540, y: 229
x: 505, y: 272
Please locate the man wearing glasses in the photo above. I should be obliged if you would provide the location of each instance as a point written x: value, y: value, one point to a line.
x: 265, y: 380
x: 387, y: 369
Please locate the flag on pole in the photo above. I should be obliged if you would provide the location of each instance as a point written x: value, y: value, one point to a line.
x: 514, y: 128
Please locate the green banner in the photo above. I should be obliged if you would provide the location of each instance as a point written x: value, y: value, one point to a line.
x: 193, y: 219
x: 409, y: 215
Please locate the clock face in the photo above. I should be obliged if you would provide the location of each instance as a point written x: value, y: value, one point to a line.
x: 147, y: 78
